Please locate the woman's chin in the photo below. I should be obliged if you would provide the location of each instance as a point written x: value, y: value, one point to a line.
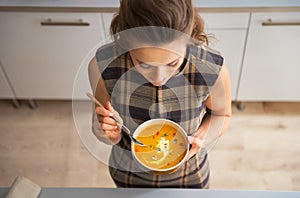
x: 158, y: 84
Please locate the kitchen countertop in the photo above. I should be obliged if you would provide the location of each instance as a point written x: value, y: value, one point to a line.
x: 96, y: 5
x: 154, y: 192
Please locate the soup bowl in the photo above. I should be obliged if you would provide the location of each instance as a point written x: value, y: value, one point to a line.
x: 166, y: 145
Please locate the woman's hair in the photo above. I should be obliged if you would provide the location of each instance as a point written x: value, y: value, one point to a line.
x: 179, y: 15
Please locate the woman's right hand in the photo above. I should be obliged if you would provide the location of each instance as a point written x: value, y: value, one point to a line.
x: 110, y: 127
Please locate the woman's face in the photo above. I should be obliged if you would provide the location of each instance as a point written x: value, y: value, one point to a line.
x: 157, y: 65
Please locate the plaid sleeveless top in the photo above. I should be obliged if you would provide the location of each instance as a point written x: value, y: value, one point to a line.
x: 182, y: 99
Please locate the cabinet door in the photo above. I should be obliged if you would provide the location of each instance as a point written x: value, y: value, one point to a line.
x: 231, y: 45
x: 272, y: 62
x: 5, y: 90
x: 107, y: 18
x: 42, y: 60
x: 229, y: 36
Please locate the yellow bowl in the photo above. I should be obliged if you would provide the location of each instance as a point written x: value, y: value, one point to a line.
x: 167, y: 145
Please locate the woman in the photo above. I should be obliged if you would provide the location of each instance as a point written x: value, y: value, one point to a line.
x: 152, y: 70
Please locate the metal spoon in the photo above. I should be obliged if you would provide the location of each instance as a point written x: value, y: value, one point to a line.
x: 117, y: 119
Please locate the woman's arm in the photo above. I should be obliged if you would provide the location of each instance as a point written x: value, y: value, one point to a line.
x: 97, y: 83
x: 217, y: 118
x: 104, y: 126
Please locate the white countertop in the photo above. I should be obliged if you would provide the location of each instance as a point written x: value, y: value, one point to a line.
x: 115, y: 3
x: 158, y: 193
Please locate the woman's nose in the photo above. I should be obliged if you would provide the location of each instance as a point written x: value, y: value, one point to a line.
x: 159, y: 74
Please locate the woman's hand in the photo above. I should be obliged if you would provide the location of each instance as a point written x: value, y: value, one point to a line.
x: 196, y: 144
x: 110, y: 127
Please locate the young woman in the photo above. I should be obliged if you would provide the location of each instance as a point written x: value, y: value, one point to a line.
x: 151, y: 70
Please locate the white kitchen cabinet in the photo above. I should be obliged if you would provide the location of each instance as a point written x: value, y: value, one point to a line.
x: 222, y: 20
x: 5, y: 89
x: 229, y: 36
x: 42, y: 60
x: 272, y: 60
x: 231, y: 45
x: 107, y: 18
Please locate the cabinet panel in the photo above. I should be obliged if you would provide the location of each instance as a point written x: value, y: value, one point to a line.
x: 42, y: 61
x: 5, y: 90
x: 226, y: 20
x: 228, y: 32
x: 107, y: 18
x: 231, y: 45
x: 272, y: 62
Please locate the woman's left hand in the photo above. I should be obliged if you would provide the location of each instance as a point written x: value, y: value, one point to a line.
x: 196, y: 144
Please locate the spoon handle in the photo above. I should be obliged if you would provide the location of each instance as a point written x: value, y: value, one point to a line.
x: 117, y: 119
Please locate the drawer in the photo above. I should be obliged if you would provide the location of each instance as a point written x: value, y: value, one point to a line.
x: 271, y: 65
x: 42, y: 60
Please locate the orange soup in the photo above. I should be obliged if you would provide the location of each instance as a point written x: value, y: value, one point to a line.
x: 166, y: 146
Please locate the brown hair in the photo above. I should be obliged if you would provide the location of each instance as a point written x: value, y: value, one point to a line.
x: 179, y: 15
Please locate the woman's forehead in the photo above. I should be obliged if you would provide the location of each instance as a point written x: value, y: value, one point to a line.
x: 156, y: 55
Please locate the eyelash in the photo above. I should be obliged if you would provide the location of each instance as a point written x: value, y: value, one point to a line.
x: 174, y: 64
x: 145, y: 66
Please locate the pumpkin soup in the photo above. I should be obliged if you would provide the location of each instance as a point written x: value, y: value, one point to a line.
x: 166, y: 146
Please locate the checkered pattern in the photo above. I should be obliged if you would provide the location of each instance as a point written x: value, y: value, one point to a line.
x: 181, y: 99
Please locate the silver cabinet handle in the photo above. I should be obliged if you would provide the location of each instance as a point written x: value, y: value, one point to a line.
x: 271, y: 23
x: 49, y: 22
